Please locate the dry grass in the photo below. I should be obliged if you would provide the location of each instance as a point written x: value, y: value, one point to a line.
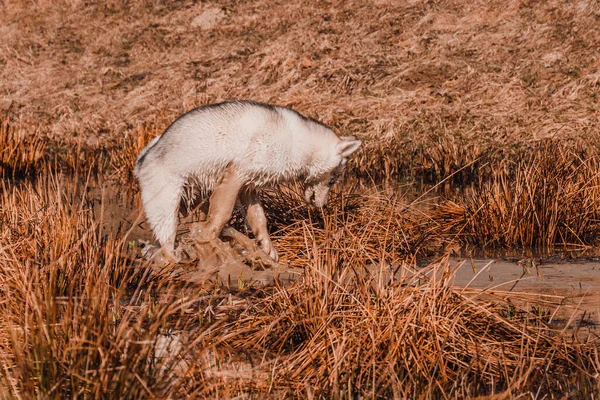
x: 20, y: 155
x: 340, y: 332
x: 550, y: 197
x: 410, y: 78
x: 391, y: 228
x: 82, y: 317
x: 78, y: 317
x: 481, y: 128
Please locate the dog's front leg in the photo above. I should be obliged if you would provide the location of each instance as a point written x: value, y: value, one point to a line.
x: 256, y: 219
x: 222, y: 202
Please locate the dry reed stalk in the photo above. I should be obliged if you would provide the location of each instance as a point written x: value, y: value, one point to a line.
x: 20, y: 153
x: 74, y: 327
x: 340, y: 333
x: 387, y: 223
x: 127, y: 149
x: 81, y: 317
x: 550, y: 197
x: 23, y: 155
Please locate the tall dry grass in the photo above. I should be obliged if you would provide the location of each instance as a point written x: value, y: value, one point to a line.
x: 20, y: 153
x: 346, y: 332
x: 391, y: 228
x: 62, y: 283
x: 82, y: 316
x: 24, y: 155
x: 549, y: 197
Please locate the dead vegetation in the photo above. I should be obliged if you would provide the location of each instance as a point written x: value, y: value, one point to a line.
x: 480, y: 122
x: 550, y: 197
x: 83, y: 316
x: 20, y: 155
x: 344, y: 332
x: 412, y: 77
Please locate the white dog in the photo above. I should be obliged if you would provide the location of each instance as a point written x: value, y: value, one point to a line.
x: 232, y: 150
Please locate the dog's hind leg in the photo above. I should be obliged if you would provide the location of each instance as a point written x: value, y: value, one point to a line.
x: 161, y: 202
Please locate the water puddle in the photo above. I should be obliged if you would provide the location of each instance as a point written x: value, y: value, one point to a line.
x: 575, y: 285
x: 119, y: 211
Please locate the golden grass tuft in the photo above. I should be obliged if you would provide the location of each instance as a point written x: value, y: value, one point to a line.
x: 549, y: 197
x: 78, y: 317
x: 20, y: 153
x: 391, y: 228
x: 343, y: 332
x: 83, y: 317
x: 125, y: 151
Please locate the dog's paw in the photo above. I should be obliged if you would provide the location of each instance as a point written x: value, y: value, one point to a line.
x: 273, y: 254
x: 267, y: 246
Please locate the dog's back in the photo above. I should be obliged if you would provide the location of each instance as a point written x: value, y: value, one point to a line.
x: 266, y: 142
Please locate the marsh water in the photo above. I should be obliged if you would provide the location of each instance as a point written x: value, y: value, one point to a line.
x: 570, y: 281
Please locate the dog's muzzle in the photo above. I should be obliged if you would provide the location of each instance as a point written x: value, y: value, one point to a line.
x: 317, y: 195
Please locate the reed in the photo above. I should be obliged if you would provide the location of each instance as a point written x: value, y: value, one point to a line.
x: 20, y: 153
x: 83, y: 315
x: 549, y: 198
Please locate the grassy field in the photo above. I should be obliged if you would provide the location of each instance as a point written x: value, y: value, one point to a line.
x: 481, y: 130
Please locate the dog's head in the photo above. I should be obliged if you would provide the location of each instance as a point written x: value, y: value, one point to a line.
x: 332, y: 168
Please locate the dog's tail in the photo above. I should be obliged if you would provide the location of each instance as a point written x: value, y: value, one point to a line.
x: 143, y: 153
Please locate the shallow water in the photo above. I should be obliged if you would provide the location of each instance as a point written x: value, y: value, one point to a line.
x: 561, y: 277
x: 574, y: 285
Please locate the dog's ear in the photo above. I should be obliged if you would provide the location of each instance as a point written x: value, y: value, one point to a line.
x: 347, y: 147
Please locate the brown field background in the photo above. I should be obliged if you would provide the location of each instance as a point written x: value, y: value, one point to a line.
x: 481, y: 130
x: 396, y: 72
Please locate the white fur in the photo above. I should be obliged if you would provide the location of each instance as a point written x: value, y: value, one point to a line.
x: 144, y: 152
x: 265, y: 144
